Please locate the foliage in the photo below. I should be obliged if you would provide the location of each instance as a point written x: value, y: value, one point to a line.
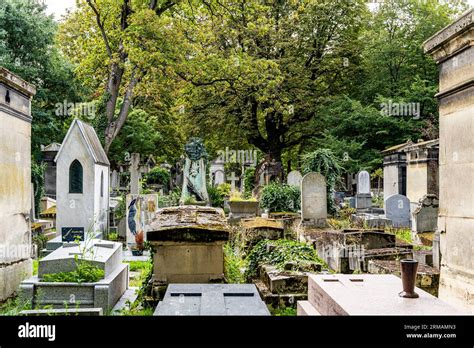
x: 283, y: 312
x: 258, y: 70
x: 249, y: 180
x: 113, y: 236
x: 39, y: 240
x: 278, y: 253
x: 280, y: 198
x: 237, y: 196
x: 121, y: 209
x: 13, y: 306
x: 85, y: 272
x: 144, y: 268
x: 339, y: 224
x: 218, y: 193
x: 403, y: 234
x: 158, y: 176
x: 233, y: 265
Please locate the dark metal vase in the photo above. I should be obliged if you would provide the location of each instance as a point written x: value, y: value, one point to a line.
x: 409, y: 268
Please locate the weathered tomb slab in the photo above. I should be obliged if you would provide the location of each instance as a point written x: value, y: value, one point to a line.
x: 211, y: 299
x: 369, y: 294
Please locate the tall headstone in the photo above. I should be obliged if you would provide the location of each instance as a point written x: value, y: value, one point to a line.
x: 397, y: 209
x: 453, y: 50
x: 425, y: 216
x: 294, y: 178
x: 217, y: 172
x: 363, y: 196
x: 194, y: 174
x: 82, y: 203
x: 15, y: 181
x: 314, y: 199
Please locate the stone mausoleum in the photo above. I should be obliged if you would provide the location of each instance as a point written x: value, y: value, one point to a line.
x: 453, y: 50
x: 15, y: 181
x: 82, y: 184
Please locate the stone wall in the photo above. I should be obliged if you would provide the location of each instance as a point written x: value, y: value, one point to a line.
x: 453, y: 50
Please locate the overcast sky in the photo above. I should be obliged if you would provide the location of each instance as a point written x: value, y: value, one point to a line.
x: 58, y: 7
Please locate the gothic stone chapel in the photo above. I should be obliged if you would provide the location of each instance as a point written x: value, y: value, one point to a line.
x: 82, y: 184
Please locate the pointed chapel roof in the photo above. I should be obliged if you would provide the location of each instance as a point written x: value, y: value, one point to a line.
x: 91, y: 140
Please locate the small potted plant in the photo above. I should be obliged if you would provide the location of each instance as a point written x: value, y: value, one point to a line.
x: 137, y: 250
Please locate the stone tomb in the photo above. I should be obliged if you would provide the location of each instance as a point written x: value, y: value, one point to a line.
x: 453, y: 50
x: 257, y: 229
x: 188, y: 243
x: 15, y: 182
x: 102, y: 294
x: 368, y: 294
x: 351, y: 249
x: 82, y: 185
x: 314, y: 200
x: 397, y: 209
x: 211, y: 299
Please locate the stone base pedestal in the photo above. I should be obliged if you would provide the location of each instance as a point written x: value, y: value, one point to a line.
x: 11, y: 277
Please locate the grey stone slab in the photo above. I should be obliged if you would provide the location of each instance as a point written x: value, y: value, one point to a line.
x: 211, y: 299
x: 64, y: 312
x: 397, y: 209
x: 104, y: 254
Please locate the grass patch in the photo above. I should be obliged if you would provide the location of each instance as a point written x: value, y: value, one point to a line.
x: 86, y: 272
x: 233, y: 265
x: 13, y: 306
x: 35, y: 267
x: 402, y: 234
x: 144, y: 267
x: 282, y: 312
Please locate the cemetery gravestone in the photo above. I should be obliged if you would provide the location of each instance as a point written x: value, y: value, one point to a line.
x: 314, y: 199
x: 397, y: 209
x: 363, y: 197
x: 294, y: 178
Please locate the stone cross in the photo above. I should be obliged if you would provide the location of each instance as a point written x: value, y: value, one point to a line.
x: 233, y: 178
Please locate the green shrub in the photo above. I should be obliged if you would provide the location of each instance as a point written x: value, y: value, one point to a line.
x: 233, y: 265
x: 280, y: 198
x: 249, y: 181
x: 158, y: 176
x: 85, y: 272
x: 325, y: 162
x: 217, y: 194
x: 281, y: 252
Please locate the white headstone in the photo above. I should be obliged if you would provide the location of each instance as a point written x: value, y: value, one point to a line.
x: 294, y: 178
x: 233, y: 179
x: 219, y: 177
x: 363, y: 182
x: 314, y: 198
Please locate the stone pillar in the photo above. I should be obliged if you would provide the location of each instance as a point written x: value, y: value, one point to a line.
x: 453, y: 50
x: 135, y: 174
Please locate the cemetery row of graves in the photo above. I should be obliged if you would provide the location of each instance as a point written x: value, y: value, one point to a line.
x: 235, y: 235
x: 121, y: 243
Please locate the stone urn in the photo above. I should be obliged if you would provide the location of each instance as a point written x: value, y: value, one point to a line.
x: 409, y: 268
